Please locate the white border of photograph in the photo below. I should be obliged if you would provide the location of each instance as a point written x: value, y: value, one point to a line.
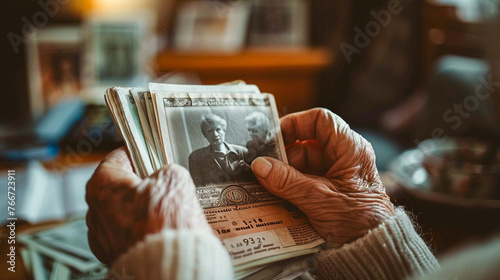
x: 189, y: 36
x: 142, y: 45
x: 296, y: 35
x: 59, y: 36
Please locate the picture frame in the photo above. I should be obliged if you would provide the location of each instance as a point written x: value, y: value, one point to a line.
x: 211, y: 26
x: 54, y: 57
x: 118, y: 52
x: 278, y: 24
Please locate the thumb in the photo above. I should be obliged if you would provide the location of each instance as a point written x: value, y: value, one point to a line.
x: 281, y: 179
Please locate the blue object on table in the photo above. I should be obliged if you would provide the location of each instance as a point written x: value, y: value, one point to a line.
x: 45, y: 151
x: 40, y: 143
x: 56, y: 123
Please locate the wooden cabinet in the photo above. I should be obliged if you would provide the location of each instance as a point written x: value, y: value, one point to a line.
x: 288, y: 74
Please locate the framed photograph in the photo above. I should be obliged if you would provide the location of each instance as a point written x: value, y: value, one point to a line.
x: 118, y: 52
x: 197, y: 128
x: 54, y: 59
x: 211, y: 26
x: 278, y: 23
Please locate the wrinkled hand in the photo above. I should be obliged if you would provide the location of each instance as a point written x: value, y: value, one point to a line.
x: 332, y: 176
x: 123, y: 208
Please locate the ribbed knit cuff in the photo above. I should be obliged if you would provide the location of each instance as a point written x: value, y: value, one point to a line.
x: 393, y: 250
x: 175, y: 254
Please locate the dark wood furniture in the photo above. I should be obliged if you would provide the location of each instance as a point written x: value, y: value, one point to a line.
x: 288, y: 74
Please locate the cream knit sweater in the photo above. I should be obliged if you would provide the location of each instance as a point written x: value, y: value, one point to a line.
x: 391, y: 251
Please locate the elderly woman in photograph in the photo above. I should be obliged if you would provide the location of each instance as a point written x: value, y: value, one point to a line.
x: 263, y: 142
x: 219, y: 162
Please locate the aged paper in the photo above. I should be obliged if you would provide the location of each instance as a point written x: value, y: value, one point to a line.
x: 254, y: 225
x: 125, y: 114
x: 140, y: 99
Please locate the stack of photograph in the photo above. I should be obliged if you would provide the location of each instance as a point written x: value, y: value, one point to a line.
x: 185, y: 124
x: 60, y: 252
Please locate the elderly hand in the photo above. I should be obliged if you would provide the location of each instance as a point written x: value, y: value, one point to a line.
x: 123, y: 208
x: 332, y: 176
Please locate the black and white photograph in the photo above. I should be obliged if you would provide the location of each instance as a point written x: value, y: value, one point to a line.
x: 218, y: 143
x: 118, y: 59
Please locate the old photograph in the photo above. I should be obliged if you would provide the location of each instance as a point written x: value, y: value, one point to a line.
x: 218, y: 143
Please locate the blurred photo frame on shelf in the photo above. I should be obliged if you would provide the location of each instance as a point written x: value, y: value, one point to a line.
x: 211, y: 26
x: 278, y: 24
x: 54, y: 57
x: 118, y: 52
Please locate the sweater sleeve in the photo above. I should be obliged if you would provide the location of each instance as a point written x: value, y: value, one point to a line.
x: 175, y: 254
x: 393, y: 250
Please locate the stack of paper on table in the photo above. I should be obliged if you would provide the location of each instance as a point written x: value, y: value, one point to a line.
x: 60, y: 252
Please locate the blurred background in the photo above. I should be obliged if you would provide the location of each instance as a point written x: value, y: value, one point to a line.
x: 419, y: 79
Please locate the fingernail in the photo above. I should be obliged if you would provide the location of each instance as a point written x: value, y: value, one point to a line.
x: 261, y: 167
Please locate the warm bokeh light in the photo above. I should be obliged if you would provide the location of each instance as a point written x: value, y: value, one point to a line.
x: 120, y: 6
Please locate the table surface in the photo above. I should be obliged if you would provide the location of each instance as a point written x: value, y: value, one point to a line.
x: 444, y: 227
